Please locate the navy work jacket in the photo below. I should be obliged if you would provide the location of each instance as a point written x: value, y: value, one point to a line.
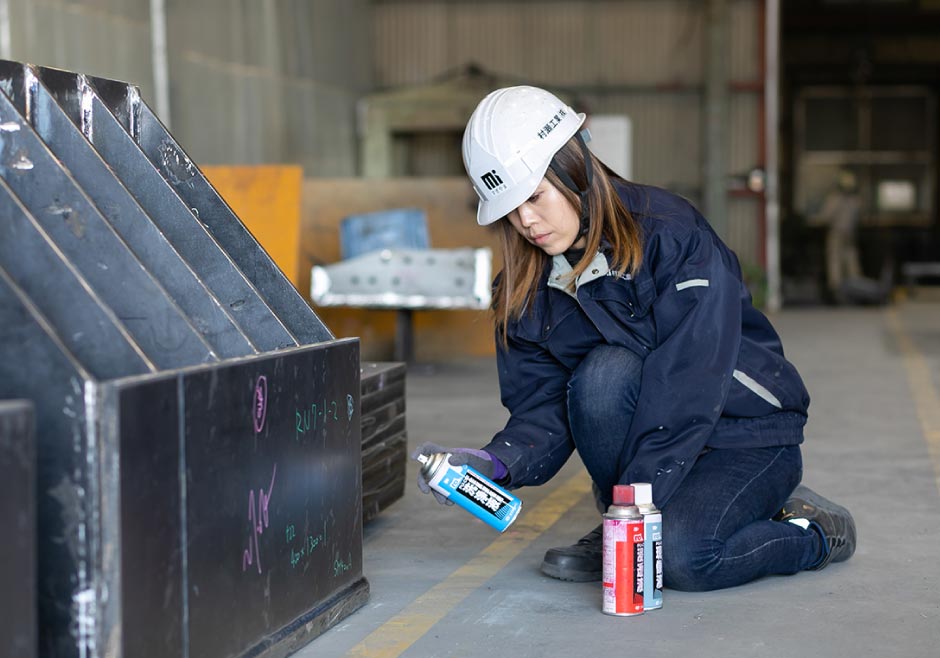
x: 714, y: 374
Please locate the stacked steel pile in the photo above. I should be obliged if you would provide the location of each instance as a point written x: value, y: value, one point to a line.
x: 384, y: 440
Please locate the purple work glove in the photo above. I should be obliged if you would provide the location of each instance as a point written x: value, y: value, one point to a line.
x: 479, y: 460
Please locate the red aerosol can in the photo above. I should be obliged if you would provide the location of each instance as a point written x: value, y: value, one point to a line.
x: 623, y: 555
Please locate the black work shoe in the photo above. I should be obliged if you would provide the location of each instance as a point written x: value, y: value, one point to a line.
x: 580, y: 563
x: 833, y: 521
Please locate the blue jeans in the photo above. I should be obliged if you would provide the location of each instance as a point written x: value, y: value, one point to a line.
x: 717, y: 530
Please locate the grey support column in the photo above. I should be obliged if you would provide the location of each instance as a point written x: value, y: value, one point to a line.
x: 717, y: 108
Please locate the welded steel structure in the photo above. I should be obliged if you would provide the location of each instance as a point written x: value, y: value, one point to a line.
x: 197, y: 426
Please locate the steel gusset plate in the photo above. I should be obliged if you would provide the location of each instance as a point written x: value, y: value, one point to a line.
x: 176, y: 167
x: 67, y: 218
x: 129, y: 220
x: 84, y: 322
x: 173, y: 217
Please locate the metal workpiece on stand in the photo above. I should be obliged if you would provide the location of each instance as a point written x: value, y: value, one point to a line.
x: 406, y: 280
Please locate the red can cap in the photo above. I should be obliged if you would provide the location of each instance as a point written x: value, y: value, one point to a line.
x: 623, y: 494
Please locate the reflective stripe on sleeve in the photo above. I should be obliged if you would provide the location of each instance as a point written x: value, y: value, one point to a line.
x: 692, y: 283
x: 757, y: 389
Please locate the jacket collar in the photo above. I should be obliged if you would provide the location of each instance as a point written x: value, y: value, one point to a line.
x: 560, y: 275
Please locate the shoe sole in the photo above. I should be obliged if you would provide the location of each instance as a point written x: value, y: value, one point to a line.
x: 568, y: 575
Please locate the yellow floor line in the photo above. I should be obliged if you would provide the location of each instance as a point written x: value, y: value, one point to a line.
x: 923, y: 390
x: 393, y: 637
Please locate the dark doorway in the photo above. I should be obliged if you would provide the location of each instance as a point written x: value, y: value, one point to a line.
x: 860, y: 82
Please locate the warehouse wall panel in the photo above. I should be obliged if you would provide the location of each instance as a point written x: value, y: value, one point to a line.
x: 250, y: 81
x: 108, y: 38
x: 410, y: 43
x: 287, y: 76
x: 744, y: 134
x: 562, y: 43
x: 745, y: 40
x: 666, y: 136
x: 649, y: 42
x: 744, y: 235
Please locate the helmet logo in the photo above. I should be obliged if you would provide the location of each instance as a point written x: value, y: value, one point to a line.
x: 554, y: 121
x: 492, y: 181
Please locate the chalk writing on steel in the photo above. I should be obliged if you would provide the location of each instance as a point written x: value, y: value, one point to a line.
x: 349, y: 407
x: 342, y: 566
x: 308, y: 544
x: 259, y: 406
x: 258, y: 519
x: 317, y: 413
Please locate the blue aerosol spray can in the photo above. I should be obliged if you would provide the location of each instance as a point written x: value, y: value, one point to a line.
x: 652, y: 545
x: 471, y: 490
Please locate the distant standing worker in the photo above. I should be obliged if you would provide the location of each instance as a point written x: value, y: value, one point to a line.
x: 841, y: 211
x: 624, y: 331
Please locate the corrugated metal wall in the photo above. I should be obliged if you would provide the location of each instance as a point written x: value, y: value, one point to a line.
x: 250, y: 81
x: 643, y: 58
x: 601, y: 42
x: 105, y: 37
x: 255, y: 81
x: 283, y: 77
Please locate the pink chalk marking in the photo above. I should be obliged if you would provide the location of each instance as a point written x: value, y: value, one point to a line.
x: 259, y: 408
x: 259, y: 522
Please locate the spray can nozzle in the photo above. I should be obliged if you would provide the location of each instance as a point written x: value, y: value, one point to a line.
x: 423, y: 459
x: 623, y: 494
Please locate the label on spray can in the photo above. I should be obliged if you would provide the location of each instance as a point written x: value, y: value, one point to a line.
x: 653, y: 556
x: 653, y: 544
x: 623, y: 566
x: 471, y: 490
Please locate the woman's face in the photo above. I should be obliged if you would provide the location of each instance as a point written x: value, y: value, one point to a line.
x: 548, y: 221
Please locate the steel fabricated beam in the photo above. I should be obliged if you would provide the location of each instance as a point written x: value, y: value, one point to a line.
x: 192, y: 456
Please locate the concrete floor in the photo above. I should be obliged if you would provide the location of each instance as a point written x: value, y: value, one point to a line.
x: 443, y: 584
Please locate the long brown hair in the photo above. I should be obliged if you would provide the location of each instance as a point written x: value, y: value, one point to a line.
x: 523, y: 263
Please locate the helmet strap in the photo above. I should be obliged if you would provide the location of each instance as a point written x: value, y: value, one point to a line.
x: 570, y: 184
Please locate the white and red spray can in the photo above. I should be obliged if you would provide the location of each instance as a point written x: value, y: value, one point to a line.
x: 623, y: 555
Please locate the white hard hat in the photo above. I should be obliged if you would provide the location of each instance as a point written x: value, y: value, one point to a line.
x: 509, y: 142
